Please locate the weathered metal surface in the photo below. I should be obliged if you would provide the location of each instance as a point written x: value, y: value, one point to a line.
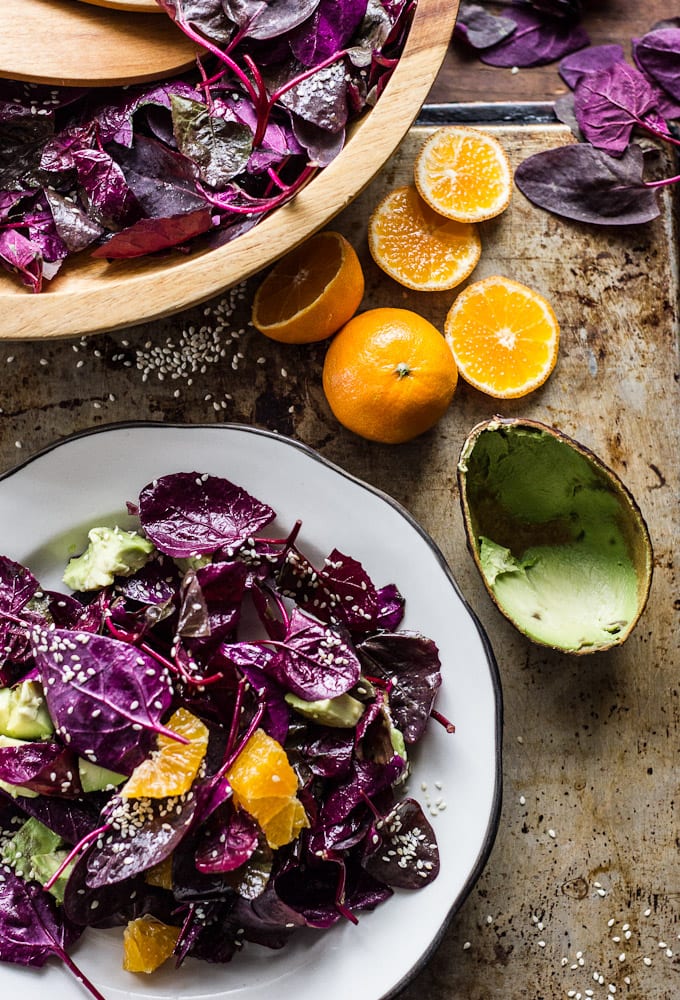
x: 589, y: 829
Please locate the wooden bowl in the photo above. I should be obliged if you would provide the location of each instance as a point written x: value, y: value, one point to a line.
x: 90, y: 296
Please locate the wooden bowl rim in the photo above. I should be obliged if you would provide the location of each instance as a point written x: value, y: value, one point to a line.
x: 90, y: 296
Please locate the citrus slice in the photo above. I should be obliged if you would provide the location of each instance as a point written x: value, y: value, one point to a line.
x: 389, y: 375
x: 504, y: 337
x: 464, y: 174
x: 311, y: 292
x: 418, y: 247
x: 147, y: 943
x: 171, y: 769
x: 286, y: 824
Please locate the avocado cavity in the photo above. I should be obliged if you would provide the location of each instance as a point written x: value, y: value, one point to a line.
x: 560, y: 544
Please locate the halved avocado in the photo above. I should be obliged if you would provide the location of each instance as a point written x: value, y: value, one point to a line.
x: 560, y: 543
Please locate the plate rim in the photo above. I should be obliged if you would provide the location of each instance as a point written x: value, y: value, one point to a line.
x: 493, y: 823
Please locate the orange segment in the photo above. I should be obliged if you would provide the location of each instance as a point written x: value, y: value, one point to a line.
x: 418, y: 247
x: 262, y: 770
x: 264, y: 784
x: 311, y: 292
x: 286, y: 824
x: 464, y: 174
x: 504, y: 337
x: 147, y: 943
x: 171, y: 769
x: 389, y: 375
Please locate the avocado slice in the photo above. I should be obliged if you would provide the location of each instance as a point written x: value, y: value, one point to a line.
x: 23, y: 712
x: 342, y: 712
x: 111, y: 552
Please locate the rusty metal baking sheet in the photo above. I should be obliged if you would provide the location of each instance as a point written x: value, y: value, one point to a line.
x: 582, y: 889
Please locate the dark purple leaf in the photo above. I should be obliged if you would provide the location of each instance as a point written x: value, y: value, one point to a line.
x: 268, y: 18
x: 206, y: 16
x: 31, y: 927
x: 366, y: 779
x: 105, y: 697
x: 537, y: 40
x: 17, y: 587
x: 22, y: 137
x: 219, y: 148
x: 188, y: 513
x: 658, y: 54
x: 314, y: 661
x: 151, y: 235
x: 162, y: 180
x: 480, y: 28
x: 74, y: 227
x: 311, y: 887
x: 193, y: 612
x: 327, y: 31
x: 320, y: 99
x: 115, y: 121
x: 390, y: 608
x: 321, y: 145
x: 142, y: 833
x: 108, y: 198
x: 72, y: 819
x: 156, y: 582
x: 610, y: 103
x: 112, y: 905
x: 402, y: 848
x: 228, y: 842
x: 588, y: 61
x: 409, y: 663
x: 45, y: 767
x: 583, y: 183
x: 559, y: 8
x: 327, y: 753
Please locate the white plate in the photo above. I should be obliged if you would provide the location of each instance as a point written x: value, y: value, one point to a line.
x: 46, y: 507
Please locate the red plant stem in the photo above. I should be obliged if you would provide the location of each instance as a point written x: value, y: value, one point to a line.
x: 233, y: 729
x: 442, y: 720
x: 662, y: 183
x: 74, y: 852
x: 264, y: 204
x: 174, y: 666
x: 657, y: 133
x: 339, y: 901
x: 80, y: 976
x: 205, y: 43
x: 252, y: 726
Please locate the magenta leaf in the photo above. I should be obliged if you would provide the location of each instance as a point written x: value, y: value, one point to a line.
x: 609, y: 104
x: 105, y: 697
x: 31, y: 927
x: 538, y: 39
x: 586, y: 62
x: 583, y: 183
x: 151, y: 235
x: 658, y: 54
x: 410, y: 663
x: 403, y: 849
x: 314, y: 661
x: 47, y: 768
x: 230, y: 840
x: 481, y: 29
x: 189, y: 513
x: 268, y: 18
x: 328, y: 30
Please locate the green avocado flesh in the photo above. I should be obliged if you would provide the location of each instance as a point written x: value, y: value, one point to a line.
x: 553, y: 536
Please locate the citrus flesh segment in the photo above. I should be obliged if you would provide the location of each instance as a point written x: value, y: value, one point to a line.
x: 463, y: 174
x: 172, y: 767
x: 264, y: 784
x: 147, y: 943
x: 504, y: 337
x: 417, y: 246
x: 389, y: 375
x: 311, y: 292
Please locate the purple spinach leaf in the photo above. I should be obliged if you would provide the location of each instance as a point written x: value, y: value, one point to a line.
x: 583, y: 183
x: 151, y: 235
x: 314, y: 660
x: 187, y: 513
x: 586, y: 62
x: 229, y: 840
x: 658, y: 55
x: 105, y: 697
x: 219, y: 148
x: 402, y: 848
x: 538, y: 39
x: 480, y: 28
x: 330, y: 27
x: 409, y: 664
x: 268, y: 18
x: 609, y: 104
x: 47, y: 768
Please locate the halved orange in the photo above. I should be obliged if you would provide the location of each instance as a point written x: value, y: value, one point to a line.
x: 172, y: 767
x: 418, y: 247
x: 311, y: 292
x: 504, y: 337
x: 147, y: 943
x: 464, y: 174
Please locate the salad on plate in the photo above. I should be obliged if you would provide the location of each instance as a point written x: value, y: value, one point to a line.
x: 205, y: 741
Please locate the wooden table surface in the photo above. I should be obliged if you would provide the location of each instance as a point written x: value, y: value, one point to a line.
x: 581, y: 891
